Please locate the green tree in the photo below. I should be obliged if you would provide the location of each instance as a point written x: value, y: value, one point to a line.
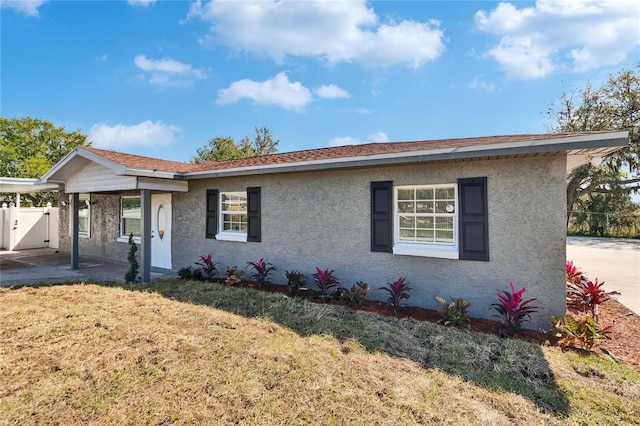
x: 614, y: 106
x: 29, y: 147
x: 224, y: 147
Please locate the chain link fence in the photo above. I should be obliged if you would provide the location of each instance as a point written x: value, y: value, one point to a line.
x: 609, y: 224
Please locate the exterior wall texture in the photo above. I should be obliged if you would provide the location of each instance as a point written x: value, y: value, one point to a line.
x: 323, y: 219
x: 104, y: 228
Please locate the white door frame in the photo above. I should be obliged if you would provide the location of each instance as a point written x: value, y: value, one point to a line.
x: 161, y: 230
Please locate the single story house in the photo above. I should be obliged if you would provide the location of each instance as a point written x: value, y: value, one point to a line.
x: 457, y: 217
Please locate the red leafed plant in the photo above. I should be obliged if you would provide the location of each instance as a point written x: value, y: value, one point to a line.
x: 573, y: 273
x: 325, y: 280
x: 588, y: 295
x: 513, y: 310
x: 398, y: 293
x: 207, y: 266
x: 261, y: 270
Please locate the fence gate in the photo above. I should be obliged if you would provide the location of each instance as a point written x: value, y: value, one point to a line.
x: 29, y: 227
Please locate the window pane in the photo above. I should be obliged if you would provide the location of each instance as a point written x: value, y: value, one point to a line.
x: 425, y: 223
x: 445, y: 193
x: 83, y: 224
x: 425, y: 235
x: 406, y: 207
x: 424, y: 207
x: 407, y: 222
x: 405, y: 194
x: 444, y: 236
x: 407, y: 235
x: 131, y: 226
x: 441, y: 206
x: 444, y: 222
x: 130, y: 214
x: 424, y: 194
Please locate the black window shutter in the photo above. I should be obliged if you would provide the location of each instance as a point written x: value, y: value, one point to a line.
x: 212, y: 213
x: 254, y: 225
x: 473, y: 219
x: 382, y: 216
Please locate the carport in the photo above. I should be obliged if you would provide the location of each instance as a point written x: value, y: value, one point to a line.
x: 27, y: 227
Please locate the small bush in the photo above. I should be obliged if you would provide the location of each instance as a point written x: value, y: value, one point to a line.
x: 296, y: 281
x: 454, y: 313
x: 588, y: 295
x: 398, y: 293
x: 131, y: 275
x: 583, y: 333
x: 234, y: 276
x: 325, y: 280
x: 353, y: 296
x: 185, y: 273
x: 261, y: 271
x: 207, y: 266
x: 513, y: 310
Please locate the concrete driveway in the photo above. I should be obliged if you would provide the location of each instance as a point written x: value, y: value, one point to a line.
x: 612, y: 260
x: 49, y: 266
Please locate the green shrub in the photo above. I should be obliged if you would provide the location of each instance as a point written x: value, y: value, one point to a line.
x: 296, y: 281
x: 131, y: 275
x: 579, y: 333
x: 353, y: 296
x: 454, y: 313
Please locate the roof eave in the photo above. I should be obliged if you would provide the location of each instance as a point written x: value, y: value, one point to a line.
x: 613, y: 141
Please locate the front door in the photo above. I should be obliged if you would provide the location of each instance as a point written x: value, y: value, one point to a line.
x: 161, y: 230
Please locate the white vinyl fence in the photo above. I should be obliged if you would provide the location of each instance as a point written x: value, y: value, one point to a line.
x: 28, y: 227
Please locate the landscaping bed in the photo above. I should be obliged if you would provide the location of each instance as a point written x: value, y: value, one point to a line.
x: 623, y: 345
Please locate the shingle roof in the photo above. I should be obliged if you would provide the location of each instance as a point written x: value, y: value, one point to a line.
x: 139, y: 161
x: 334, y: 153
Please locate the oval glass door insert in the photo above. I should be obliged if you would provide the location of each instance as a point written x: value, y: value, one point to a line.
x: 161, y: 220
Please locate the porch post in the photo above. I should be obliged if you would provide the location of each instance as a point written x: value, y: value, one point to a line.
x: 145, y: 235
x: 75, y: 230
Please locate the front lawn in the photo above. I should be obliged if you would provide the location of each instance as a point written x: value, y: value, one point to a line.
x: 196, y: 352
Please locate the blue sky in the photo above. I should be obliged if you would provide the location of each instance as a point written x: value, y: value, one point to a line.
x: 161, y: 78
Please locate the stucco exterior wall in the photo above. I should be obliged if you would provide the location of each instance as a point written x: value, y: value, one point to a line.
x: 104, y: 228
x: 323, y: 219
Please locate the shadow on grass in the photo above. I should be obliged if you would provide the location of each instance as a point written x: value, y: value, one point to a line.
x: 499, y: 364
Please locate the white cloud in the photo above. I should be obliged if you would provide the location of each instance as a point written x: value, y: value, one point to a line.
x: 141, y: 3
x: 479, y: 83
x: 168, y: 71
x: 28, y: 7
x: 333, y: 31
x: 350, y: 140
x: 331, y: 91
x: 557, y: 34
x: 147, y: 133
x: 276, y: 91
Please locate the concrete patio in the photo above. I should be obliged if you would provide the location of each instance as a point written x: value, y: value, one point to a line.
x: 50, y: 266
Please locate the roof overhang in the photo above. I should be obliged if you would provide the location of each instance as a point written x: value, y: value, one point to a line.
x: 577, y: 148
x: 25, y: 185
x: 79, y: 158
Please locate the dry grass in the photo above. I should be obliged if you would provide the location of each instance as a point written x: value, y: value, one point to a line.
x: 84, y: 354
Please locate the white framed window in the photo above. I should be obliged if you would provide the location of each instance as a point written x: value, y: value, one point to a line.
x: 84, y: 215
x: 425, y: 220
x: 233, y: 217
x: 130, y: 218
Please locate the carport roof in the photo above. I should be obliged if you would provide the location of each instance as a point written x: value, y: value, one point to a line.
x: 25, y: 185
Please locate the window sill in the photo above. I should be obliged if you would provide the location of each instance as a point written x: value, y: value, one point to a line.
x: 232, y: 236
x: 425, y: 250
x: 126, y: 240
